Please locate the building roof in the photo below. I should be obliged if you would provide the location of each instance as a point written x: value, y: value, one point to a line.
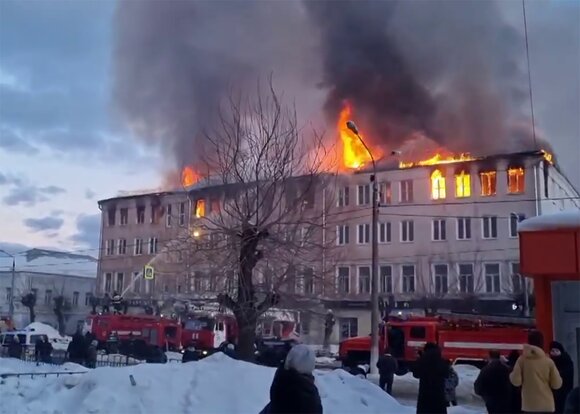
x: 555, y: 221
x: 51, y: 262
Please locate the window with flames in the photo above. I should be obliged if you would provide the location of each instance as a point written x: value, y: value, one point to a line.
x: 515, y: 178
x: 437, y: 185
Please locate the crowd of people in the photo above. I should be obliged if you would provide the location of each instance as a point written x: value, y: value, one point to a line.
x: 82, y: 350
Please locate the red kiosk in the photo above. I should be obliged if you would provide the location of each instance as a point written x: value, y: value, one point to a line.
x: 550, y: 255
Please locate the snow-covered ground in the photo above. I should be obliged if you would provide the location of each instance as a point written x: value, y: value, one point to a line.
x: 207, y: 386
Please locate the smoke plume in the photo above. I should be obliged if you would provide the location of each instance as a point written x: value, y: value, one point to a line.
x: 450, y: 71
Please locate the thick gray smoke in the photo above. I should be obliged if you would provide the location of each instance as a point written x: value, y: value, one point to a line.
x: 451, y: 71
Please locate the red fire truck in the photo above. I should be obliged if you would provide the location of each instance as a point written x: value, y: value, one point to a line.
x: 153, y: 330
x: 460, y: 340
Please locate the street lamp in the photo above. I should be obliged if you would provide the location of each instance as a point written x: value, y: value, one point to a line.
x: 11, y: 299
x: 374, y: 259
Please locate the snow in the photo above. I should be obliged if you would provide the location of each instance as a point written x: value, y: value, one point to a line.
x: 54, y: 262
x: 204, y: 386
x: 561, y: 220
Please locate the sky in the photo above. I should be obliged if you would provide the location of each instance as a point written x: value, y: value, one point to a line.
x: 60, y: 150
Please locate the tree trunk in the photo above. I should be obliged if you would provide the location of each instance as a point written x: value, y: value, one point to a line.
x: 31, y: 314
x: 61, y: 322
x: 247, y: 324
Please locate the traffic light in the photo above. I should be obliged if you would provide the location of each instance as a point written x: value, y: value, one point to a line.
x: 148, y: 272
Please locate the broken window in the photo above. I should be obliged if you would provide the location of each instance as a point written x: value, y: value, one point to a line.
x: 182, y: 214
x: 488, y: 182
x: 140, y: 214
x: 111, y: 212
x: 124, y: 217
x: 437, y: 185
x: 462, y: 184
x: 168, y: 217
x: 515, y: 180
x: 214, y: 206
x: 200, y: 208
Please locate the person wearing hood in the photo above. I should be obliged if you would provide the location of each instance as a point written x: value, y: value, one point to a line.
x: 190, y: 354
x: 565, y: 368
x: 432, y: 371
x: 387, y: 366
x: 91, y: 357
x: 293, y: 389
x: 537, y: 375
x: 493, y: 385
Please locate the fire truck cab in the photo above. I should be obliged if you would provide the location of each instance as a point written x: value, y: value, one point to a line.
x: 207, y: 333
x: 460, y: 340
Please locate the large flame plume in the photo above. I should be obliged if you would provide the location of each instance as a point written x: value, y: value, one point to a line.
x: 354, y: 154
x: 188, y: 176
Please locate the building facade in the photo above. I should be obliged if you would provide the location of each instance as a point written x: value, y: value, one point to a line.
x: 48, y: 274
x: 447, y: 237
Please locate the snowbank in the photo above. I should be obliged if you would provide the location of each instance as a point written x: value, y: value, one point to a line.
x: 562, y: 220
x: 207, y: 386
x: 13, y: 366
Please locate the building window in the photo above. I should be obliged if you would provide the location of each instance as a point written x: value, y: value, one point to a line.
x: 182, y: 214
x: 140, y: 214
x: 364, y: 279
x: 48, y: 297
x: 348, y: 327
x: 385, y: 232
x: 138, y: 247
x: 492, y: 278
x: 489, y: 224
x: 120, y: 285
x: 124, y: 216
x: 111, y: 212
x: 439, y: 230
x: 214, y: 205
x: 408, y: 272
x: 406, y: 191
x: 308, y: 280
x: 155, y: 214
x: 515, y: 218
x: 137, y: 282
x: 515, y: 176
x: 463, y: 228
x: 386, y: 280
x: 466, y: 278
x: 8, y: 294
x: 518, y: 282
x: 343, y: 279
x: 110, y: 247
x: 168, y: 218
x: 437, y: 185
x: 363, y: 195
x: 407, y: 231
x: 88, y: 297
x: 363, y: 233
x: 343, y: 197
x: 462, y: 184
x: 153, y: 242
x: 385, y: 193
x: 200, y: 208
x: 122, y: 246
x: 108, y: 282
x: 441, y: 276
x: 488, y: 183
x: 75, y: 299
x: 342, y: 235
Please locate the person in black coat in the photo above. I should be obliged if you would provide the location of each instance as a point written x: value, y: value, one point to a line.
x: 43, y: 350
x: 565, y: 367
x: 387, y: 366
x: 76, y: 349
x: 515, y: 392
x: 493, y: 385
x: 15, y: 348
x: 293, y: 389
x: 431, y: 370
x: 573, y: 402
x: 189, y: 354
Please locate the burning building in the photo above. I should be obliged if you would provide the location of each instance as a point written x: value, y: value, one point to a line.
x: 447, y: 236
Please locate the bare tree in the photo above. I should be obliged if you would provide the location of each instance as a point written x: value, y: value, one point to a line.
x: 29, y: 301
x: 61, y: 306
x: 261, y: 241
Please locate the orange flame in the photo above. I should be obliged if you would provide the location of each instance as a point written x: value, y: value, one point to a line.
x: 354, y: 154
x: 438, y: 159
x: 188, y: 176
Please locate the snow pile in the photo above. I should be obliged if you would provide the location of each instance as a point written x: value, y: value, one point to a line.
x: 13, y: 366
x: 197, y: 387
x: 562, y: 220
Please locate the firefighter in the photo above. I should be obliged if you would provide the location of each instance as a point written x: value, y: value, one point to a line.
x: 537, y: 375
x: 493, y: 385
x: 293, y: 389
x: 15, y: 348
x: 387, y: 366
x: 431, y: 370
x: 565, y: 367
x: 117, y: 302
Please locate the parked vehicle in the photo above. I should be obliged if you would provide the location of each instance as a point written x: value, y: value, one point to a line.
x: 26, y: 338
x: 461, y: 340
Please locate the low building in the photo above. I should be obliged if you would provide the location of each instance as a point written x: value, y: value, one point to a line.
x: 447, y: 238
x: 48, y: 274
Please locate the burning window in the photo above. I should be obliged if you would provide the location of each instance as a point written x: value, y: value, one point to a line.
x: 462, y: 184
x: 515, y: 180
x: 488, y: 182
x: 200, y: 208
x: 385, y: 195
x: 437, y: 185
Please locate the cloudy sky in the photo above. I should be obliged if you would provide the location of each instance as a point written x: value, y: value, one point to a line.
x: 59, y: 149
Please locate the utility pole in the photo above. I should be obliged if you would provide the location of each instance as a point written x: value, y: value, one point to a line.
x: 374, y: 258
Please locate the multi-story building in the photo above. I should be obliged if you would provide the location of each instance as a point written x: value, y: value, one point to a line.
x: 48, y: 274
x: 447, y: 236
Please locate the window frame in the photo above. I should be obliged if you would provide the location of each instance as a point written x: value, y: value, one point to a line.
x: 407, y: 227
x: 491, y: 220
x: 485, y: 274
x: 439, y: 224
